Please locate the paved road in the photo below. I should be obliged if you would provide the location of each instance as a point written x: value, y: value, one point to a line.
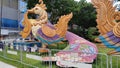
x: 5, y: 65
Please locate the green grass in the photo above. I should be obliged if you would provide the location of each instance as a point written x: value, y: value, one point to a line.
x: 41, y: 64
x: 101, y: 59
x: 15, y: 59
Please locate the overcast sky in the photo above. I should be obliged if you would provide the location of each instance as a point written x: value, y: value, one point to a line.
x: 86, y: 0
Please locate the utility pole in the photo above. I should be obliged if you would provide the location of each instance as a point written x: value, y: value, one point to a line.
x: 1, y: 18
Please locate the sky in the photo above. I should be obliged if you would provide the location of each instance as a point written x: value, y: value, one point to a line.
x: 86, y: 0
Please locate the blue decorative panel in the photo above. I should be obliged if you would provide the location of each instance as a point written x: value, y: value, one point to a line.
x: 9, y: 23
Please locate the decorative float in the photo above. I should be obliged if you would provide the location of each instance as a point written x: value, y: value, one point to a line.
x: 83, y: 50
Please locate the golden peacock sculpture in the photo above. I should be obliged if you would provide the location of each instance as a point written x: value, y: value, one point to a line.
x: 41, y: 28
x: 108, y: 24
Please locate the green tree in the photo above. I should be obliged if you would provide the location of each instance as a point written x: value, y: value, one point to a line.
x: 56, y: 8
x: 84, y: 18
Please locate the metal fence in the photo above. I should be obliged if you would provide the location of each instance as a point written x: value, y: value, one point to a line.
x: 100, y: 62
x: 115, y: 61
x: 33, y: 58
x: 23, y: 57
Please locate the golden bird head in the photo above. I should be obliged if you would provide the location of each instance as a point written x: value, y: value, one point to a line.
x: 40, y: 7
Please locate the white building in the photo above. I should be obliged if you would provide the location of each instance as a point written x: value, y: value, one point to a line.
x: 10, y: 16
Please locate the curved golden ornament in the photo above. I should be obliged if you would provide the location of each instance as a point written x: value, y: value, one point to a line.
x: 117, y: 16
x: 116, y: 30
x: 62, y: 24
x: 106, y: 15
x: 60, y: 27
x: 27, y: 26
x: 48, y: 31
x: 42, y: 5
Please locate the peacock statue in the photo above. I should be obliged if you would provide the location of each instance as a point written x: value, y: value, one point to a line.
x: 48, y: 34
x: 108, y: 23
x: 42, y: 29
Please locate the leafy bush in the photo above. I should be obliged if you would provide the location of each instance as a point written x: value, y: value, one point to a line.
x: 92, y: 33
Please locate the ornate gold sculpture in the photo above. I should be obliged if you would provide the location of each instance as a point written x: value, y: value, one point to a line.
x: 27, y: 26
x: 107, y: 17
x: 40, y: 9
x: 108, y: 24
x: 49, y: 34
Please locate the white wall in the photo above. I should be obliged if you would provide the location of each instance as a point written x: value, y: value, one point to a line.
x: 9, y: 13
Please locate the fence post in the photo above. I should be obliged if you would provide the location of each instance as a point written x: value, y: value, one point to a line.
x: 21, y: 53
x: 50, y: 56
x: 107, y: 61
x: 21, y: 47
x: 4, y: 51
x: 110, y: 61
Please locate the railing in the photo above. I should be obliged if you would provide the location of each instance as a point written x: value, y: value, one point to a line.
x: 115, y: 61
x: 33, y: 58
x: 100, y: 62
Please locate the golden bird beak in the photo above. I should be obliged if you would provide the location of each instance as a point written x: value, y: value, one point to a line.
x: 31, y: 11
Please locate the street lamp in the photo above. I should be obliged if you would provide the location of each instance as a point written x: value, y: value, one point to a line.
x: 1, y: 18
